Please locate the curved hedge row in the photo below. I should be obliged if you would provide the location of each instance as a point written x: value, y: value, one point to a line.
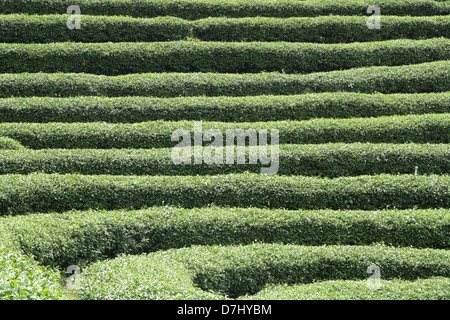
x: 324, y: 29
x: 419, y: 78
x: 207, y: 272
x: 427, y: 128
x: 189, y: 56
x: 9, y: 144
x: 436, y: 288
x: 327, y: 160
x: 81, y: 238
x: 43, y: 192
x: 195, y: 9
x: 234, y: 109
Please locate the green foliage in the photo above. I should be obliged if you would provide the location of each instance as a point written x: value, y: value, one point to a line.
x: 326, y: 160
x: 418, y: 78
x: 9, y: 144
x: 226, y: 109
x: 323, y: 29
x: 189, y: 56
x: 238, y: 270
x: 436, y: 288
x: 195, y: 9
x: 19, y: 28
x: 21, y: 278
x: 168, y: 280
x: 83, y: 237
x: 43, y: 193
x: 427, y: 128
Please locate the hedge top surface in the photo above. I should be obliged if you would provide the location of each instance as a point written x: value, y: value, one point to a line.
x: 22, y: 278
x: 426, y: 128
x: 194, y: 9
x: 22, y: 28
x: 418, y: 78
x: 58, y: 193
x: 324, y: 160
x: 435, y: 288
x: 224, y: 57
x: 226, y: 109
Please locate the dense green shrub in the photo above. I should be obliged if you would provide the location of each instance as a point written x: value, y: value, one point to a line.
x: 436, y: 288
x: 21, y: 278
x: 21, y: 28
x: 195, y: 9
x: 330, y: 160
x: 324, y: 29
x: 240, y: 270
x: 169, y: 280
x: 9, y: 144
x: 55, y: 192
x: 81, y: 238
x: 189, y: 56
x: 424, y: 77
x: 234, y: 109
x: 427, y: 128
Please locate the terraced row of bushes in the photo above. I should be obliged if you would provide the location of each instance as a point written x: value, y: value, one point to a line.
x: 226, y: 109
x: 435, y: 288
x: 417, y: 78
x: 195, y: 9
x: 207, y: 272
x: 188, y: 56
x: 83, y: 237
x: 324, y: 29
x: 9, y: 144
x: 329, y: 160
x: 427, y: 128
x: 58, y: 193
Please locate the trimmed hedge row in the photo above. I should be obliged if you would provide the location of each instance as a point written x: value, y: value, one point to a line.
x: 189, y: 56
x: 9, y: 144
x: 81, y: 238
x: 233, y: 271
x: 43, y: 192
x: 419, y: 78
x: 195, y: 9
x: 233, y: 109
x: 327, y: 160
x: 21, y: 278
x: 435, y: 288
x: 20, y: 28
x: 324, y: 29
x: 427, y: 128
